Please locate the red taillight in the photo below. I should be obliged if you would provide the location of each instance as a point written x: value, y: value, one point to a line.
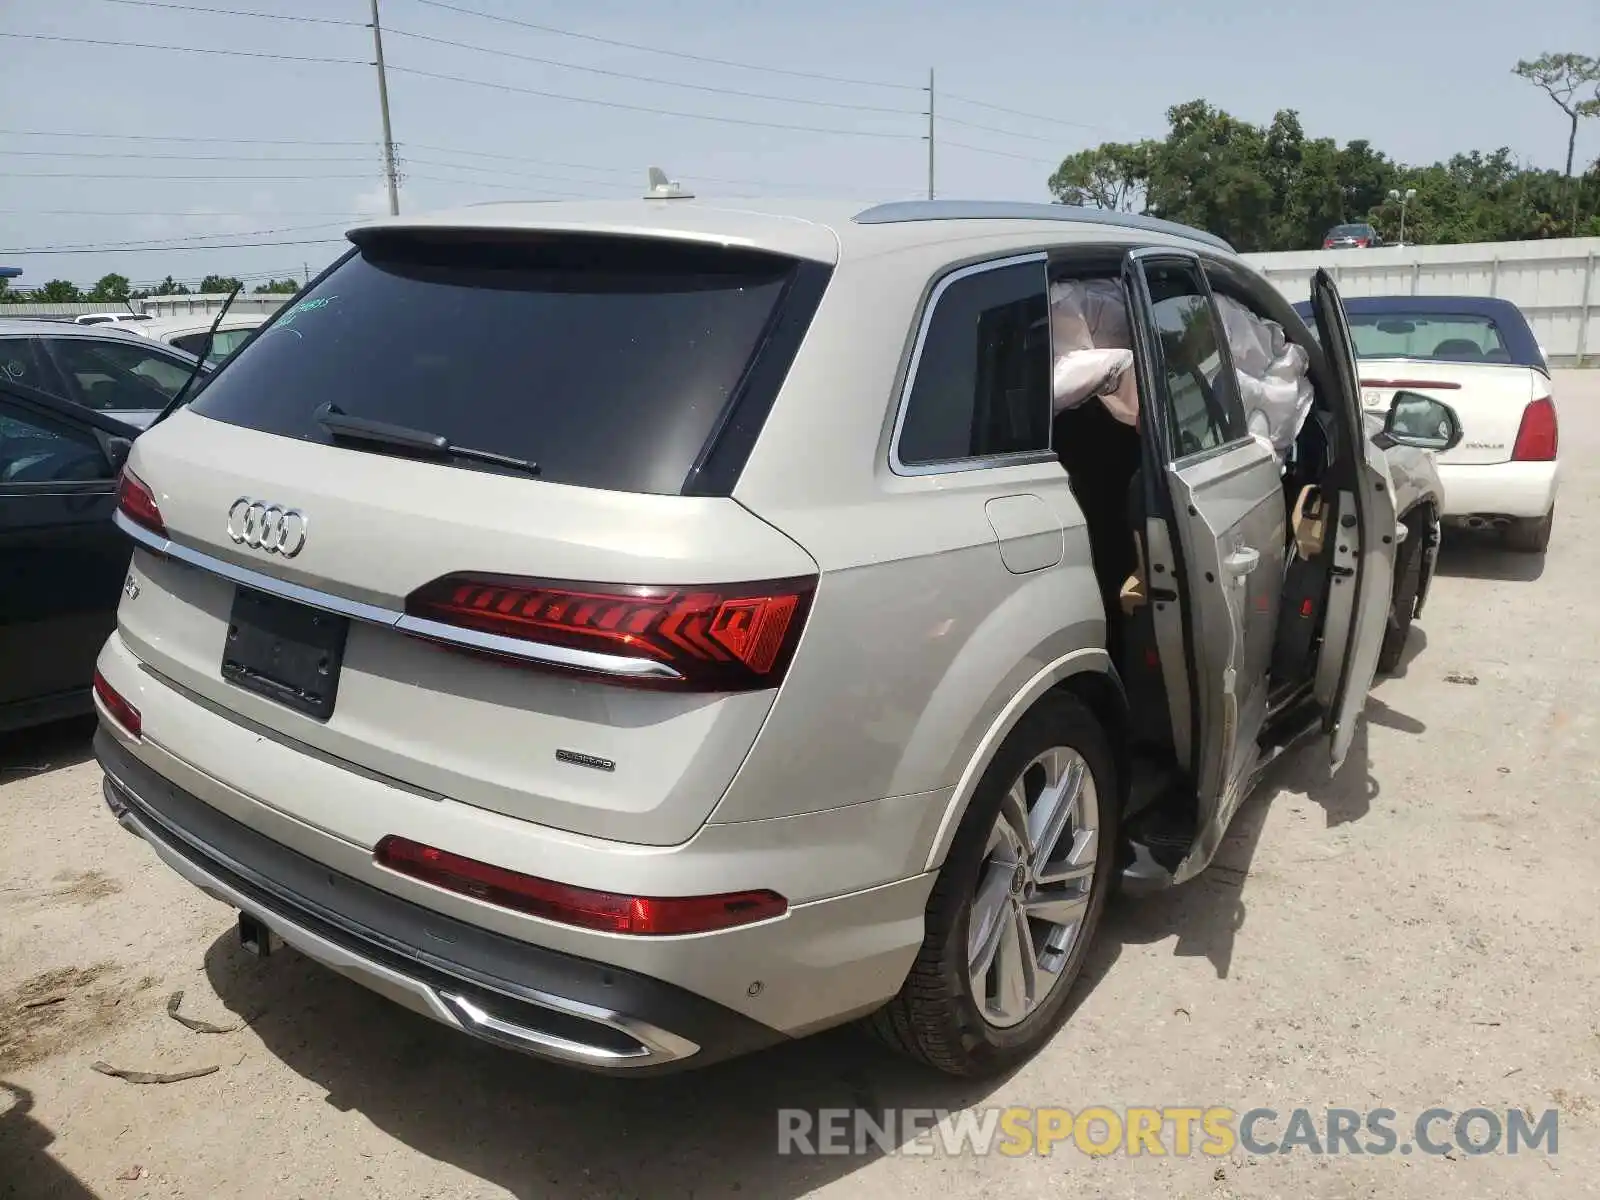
x: 1537, y: 435
x: 138, y: 503
x: 117, y: 706
x: 640, y: 915
x: 717, y: 637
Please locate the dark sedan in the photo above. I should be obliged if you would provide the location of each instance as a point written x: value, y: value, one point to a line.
x: 1359, y: 236
x: 62, y: 562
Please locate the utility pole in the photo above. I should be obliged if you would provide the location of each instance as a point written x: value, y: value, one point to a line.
x: 383, y: 105
x: 930, y: 129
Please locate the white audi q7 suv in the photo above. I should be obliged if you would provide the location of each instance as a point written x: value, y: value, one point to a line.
x: 638, y: 633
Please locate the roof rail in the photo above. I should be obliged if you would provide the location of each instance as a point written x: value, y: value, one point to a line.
x: 1006, y: 210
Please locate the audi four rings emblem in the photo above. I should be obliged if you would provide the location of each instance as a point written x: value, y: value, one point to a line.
x: 269, y: 527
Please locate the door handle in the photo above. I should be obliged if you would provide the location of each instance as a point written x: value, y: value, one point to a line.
x: 1242, y: 561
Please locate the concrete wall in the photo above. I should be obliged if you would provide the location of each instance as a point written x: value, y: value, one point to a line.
x: 208, y: 302
x: 156, y: 306
x: 1556, y: 282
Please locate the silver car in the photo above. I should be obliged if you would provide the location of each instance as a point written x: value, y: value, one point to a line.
x: 121, y: 374
x: 637, y: 633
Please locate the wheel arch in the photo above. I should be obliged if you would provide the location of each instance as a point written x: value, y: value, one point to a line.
x: 1422, y: 519
x: 1087, y: 674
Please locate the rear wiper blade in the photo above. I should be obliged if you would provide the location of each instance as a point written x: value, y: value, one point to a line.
x: 407, y: 440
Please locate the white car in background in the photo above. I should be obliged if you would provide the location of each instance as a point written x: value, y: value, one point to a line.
x: 131, y: 319
x: 1478, y: 355
x: 188, y: 332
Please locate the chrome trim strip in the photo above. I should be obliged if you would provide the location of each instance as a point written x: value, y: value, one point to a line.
x: 167, y: 548
x: 590, y: 661
x: 563, y: 656
x: 1020, y: 458
x: 656, y: 1045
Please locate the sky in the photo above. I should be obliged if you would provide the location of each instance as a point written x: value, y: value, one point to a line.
x: 110, y: 143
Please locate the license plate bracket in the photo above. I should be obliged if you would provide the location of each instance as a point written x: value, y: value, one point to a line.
x: 285, y: 651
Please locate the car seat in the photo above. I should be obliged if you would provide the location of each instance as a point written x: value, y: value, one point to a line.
x: 1458, y: 348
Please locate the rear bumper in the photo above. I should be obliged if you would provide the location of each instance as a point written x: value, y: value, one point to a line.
x: 1510, y: 489
x: 519, y: 996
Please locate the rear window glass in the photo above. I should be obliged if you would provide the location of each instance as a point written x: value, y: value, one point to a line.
x: 1451, y: 337
x: 607, y: 361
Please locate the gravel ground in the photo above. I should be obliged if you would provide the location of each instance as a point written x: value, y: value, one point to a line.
x: 1420, y: 931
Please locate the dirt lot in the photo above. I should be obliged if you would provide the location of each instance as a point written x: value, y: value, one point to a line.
x: 1420, y: 931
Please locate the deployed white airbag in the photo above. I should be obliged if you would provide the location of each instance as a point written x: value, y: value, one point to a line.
x: 1272, y: 375
x: 1093, y: 347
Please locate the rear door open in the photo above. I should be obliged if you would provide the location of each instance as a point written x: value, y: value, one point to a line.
x: 1220, y: 487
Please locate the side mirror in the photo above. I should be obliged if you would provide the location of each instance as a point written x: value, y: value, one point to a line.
x: 117, y: 450
x: 1422, y: 422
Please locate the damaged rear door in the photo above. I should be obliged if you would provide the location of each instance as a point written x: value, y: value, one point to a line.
x: 1219, y: 489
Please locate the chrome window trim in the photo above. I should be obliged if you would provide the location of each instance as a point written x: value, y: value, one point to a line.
x: 930, y: 306
x: 615, y: 665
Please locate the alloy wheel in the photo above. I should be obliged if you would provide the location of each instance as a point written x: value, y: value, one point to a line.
x: 1034, y: 886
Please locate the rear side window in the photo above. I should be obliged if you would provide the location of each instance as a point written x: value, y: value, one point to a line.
x: 607, y: 361
x: 19, y: 362
x: 223, y: 344
x: 982, y: 382
x: 114, y: 375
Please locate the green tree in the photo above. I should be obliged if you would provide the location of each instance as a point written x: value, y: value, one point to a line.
x: 1112, y: 176
x: 1210, y: 172
x: 277, y: 287
x: 58, y: 291
x: 218, y: 283
x: 112, y: 287
x: 1275, y: 188
x: 1565, y: 78
x: 168, y: 288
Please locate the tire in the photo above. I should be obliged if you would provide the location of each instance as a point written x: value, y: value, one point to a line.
x: 939, y: 1017
x: 1531, y: 535
x: 1403, y: 608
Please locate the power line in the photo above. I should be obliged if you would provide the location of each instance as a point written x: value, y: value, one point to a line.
x: 168, y: 249
x: 78, y: 41
x: 657, y: 112
x: 699, y: 58
x: 631, y: 172
x: 230, y: 12
x: 1000, y: 153
x: 697, y: 87
x: 82, y: 212
x: 143, y: 157
x: 1030, y: 137
x: 179, y: 178
x: 155, y: 137
x: 433, y: 162
x: 1017, y: 112
x: 504, y: 187
x: 194, y: 237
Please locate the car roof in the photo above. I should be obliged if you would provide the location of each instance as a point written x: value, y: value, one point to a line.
x: 824, y: 231
x: 106, y: 332
x: 199, y: 323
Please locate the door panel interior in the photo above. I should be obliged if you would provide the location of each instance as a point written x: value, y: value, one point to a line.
x: 1354, y: 644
